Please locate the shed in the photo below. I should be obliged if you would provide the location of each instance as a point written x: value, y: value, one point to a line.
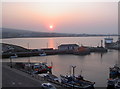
x: 68, y: 47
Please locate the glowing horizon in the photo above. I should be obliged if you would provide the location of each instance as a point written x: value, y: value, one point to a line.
x: 90, y: 17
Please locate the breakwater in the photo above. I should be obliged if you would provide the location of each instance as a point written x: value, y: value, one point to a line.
x: 13, y: 51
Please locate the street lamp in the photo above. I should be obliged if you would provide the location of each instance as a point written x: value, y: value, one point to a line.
x: 73, y: 74
x: 73, y: 70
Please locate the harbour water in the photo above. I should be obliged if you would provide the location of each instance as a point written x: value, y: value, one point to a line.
x: 94, y: 67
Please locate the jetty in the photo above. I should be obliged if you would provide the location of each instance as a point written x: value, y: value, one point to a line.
x: 9, y: 50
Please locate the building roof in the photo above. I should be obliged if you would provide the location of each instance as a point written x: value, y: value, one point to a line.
x: 68, y: 45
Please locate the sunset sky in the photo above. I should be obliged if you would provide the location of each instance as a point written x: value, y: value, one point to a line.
x: 62, y: 17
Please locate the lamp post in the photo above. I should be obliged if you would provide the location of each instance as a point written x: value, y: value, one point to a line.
x: 73, y: 70
x: 73, y: 74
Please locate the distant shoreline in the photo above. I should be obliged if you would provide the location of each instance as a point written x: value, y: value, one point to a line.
x: 8, y: 33
x: 60, y: 36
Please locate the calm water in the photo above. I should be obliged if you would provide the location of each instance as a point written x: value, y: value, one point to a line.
x: 94, y: 67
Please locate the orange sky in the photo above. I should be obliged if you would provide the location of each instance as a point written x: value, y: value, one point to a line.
x: 75, y: 17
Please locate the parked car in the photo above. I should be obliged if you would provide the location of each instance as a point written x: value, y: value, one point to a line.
x: 47, y: 86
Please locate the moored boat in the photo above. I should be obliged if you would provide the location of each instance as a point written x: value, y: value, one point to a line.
x: 114, y: 77
x: 117, y: 84
x: 111, y: 82
x: 114, y: 72
x: 35, y: 68
x: 76, y: 82
x: 49, y: 77
x: 43, y: 54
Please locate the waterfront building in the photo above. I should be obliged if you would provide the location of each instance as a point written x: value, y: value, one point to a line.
x: 68, y: 47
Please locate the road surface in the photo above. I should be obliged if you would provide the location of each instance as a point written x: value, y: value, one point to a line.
x: 15, y: 79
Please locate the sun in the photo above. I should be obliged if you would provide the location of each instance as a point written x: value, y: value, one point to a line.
x: 50, y: 26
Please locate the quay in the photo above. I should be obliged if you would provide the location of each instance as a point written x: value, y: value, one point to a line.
x: 16, y: 79
x: 9, y: 50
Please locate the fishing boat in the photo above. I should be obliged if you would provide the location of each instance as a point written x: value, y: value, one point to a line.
x: 76, y: 82
x: 35, y: 68
x: 43, y: 54
x: 114, y: 77
x: 111, y: 82
x: 49, y: 77
x: 117, y: 84
x: 14, y: 56
x: 114, y: 72
x: 114, y: 83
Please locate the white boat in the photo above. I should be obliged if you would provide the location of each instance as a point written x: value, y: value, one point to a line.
x: 42, y: 54
x: 14, y: 56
